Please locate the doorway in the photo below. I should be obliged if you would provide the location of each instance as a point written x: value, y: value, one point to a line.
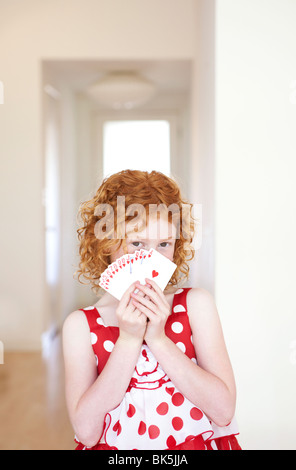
x: 136, y: 144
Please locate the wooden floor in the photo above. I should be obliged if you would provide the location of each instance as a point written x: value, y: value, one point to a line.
x: 33, y: 413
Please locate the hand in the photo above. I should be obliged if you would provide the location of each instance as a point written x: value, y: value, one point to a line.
x: 155, y: 307
x: 131, y: 321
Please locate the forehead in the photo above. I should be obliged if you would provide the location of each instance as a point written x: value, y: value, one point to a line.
x: 156, y: 228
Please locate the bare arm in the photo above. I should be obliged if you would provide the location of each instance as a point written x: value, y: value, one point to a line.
x: 210, y: 384
x: 89, y: 396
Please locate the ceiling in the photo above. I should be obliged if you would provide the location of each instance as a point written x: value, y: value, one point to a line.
x: 172, y: 78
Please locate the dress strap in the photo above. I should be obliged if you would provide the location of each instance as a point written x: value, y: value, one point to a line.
x: 92, y: 315
x: 180, y: 300
x: 178, y: 327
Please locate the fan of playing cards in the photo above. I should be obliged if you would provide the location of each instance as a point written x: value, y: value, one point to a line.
x: 136, y: 267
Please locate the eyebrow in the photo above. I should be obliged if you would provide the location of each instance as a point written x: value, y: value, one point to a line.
x: 145, y: 239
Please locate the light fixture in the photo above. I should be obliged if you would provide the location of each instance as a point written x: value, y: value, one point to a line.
x: 122, y: 90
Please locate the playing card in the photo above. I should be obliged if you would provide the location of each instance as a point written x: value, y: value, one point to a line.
x: 119, y: 275
x: 140, y: 266
x: 121, y: 271
x: 159, y: 268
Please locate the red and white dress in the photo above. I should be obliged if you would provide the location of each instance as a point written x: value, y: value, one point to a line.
x: 153, y: 413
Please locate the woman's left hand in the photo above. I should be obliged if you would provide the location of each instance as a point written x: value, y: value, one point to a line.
x: 155, y: 306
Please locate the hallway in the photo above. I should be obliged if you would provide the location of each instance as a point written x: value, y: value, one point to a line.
x: 224, y: 76
x: 33, y: 413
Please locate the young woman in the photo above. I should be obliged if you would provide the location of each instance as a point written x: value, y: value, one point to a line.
x: 150, y: 371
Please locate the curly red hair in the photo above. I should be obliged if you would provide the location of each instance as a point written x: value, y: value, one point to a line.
x: 138, y: 187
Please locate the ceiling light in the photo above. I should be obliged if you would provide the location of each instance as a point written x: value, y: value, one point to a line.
x: 122, y: 90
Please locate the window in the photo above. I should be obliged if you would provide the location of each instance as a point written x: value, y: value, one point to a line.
x: 51, y: 194
x: 136, y: 145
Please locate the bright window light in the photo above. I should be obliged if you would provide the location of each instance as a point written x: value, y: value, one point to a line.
x: 136, y: 145
x: 52, y: 212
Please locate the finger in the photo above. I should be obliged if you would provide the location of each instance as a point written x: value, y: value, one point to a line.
x: 137, y: 291
x: 131, y: 307
x: 125, y: 299
x: 145, y: 301
x: 152, y: 285
x: 153, y: 295
x: 146, y: 311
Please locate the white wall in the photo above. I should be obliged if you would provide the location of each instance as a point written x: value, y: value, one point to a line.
x: 201, y: 172
x: 255, y: 201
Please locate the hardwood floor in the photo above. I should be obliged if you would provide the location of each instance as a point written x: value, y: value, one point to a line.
x: 33, y: 414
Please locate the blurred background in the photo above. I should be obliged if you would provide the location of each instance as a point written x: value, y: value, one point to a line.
x: 202, y: 90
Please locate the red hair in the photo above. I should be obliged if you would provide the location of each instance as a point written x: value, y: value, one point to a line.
x: 139, y: 187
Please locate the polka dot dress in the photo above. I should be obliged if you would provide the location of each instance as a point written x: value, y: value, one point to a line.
x: 153, y: 413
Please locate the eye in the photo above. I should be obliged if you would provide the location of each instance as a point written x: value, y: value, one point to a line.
x: 164, y: 244
x: 136, y: 244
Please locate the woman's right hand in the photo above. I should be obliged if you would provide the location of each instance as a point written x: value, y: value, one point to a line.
x: 132, y: 323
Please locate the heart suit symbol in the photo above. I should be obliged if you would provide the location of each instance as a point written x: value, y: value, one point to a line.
x: 154, y: 273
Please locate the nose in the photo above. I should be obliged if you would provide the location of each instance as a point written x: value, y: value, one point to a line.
x: 150, y: 245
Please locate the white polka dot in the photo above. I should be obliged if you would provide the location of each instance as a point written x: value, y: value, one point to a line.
x: 108, y: 345
x: 100, y: 321
x: 179, y: 291
x: 194, y: 360
x: 191, y: 339
x: 181, y: 346
x: 93, y: 338
x: 179, y: 308
x: 177, y: 327
x: 89, y: 308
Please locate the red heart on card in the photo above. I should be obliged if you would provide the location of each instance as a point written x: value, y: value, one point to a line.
x: 154, y: 273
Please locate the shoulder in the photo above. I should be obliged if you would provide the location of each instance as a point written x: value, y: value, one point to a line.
x: 199, y: 297
x: 75, y: 326
x: 79, y: 359
x: 201, y: 305
x: 74, y: 320
x: 76, y: 336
